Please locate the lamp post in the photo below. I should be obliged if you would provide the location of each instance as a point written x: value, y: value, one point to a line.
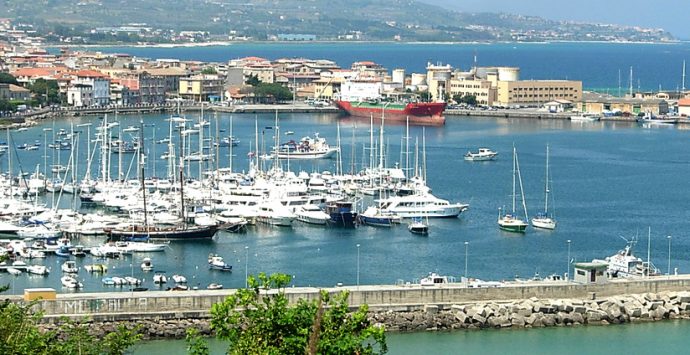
x: 246, y: 261
x: 669, y: 255
x: 568, y: 269
x: 467, y: 245
x: 358, y: 265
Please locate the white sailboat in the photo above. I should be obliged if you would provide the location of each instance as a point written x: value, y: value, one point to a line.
x: 510, y: 221
x: 544, y: 220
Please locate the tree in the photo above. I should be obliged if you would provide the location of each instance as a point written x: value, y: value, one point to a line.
x: 253, y: 80
x: 259, y: 320
x: 465, y: 99
x: 7, y: 78
x: 45, y: 91
x: 209, y: 70
x: 276, y: 91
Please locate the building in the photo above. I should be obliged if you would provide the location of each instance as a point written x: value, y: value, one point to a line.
x: 203, y: 87
x: 361, y: 90
x: 536, y: 92
x: 598, y: 103
x: 438, y: 80
x: 171, y: 78
x: 80, y: 95
x: 684, y: 107
x: 326, y: 87
x: 590, y: 273
x: 13, y: 92
x: 100, y: 88
x: 482, y: 90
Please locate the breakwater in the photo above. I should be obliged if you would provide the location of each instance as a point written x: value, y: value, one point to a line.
x: 407, y: 307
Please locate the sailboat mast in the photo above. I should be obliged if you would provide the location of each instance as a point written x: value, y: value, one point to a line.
x: 141, y: 167
x: 424, y: 154
x: 522, y: 191
x: 514, y: 168
x: 546, y: 187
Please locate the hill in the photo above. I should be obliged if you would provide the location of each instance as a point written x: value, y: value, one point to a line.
x: 404, y: 20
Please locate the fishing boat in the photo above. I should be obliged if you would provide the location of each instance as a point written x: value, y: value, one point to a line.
x: 341, y: 214
x: 70, y: 282
x: 418, y: 226
x: 510, y: 221
x: 651, y: 119
x: 434, y: 279
x: 544, y: 220
x: 69, y: 267
x: 483, y: 154
x: 216, y: 262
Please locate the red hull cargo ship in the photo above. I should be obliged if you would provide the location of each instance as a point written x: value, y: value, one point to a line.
x: 418, y: 113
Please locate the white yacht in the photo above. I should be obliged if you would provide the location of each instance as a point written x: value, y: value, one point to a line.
x: 585, y: 117
x: 434, y: 279
x: 312, y: 214
x: 625, y: 264
x: 70, y: 282
x: 306, y: 148
x: 275, y: 214
x: 147, y: 265
x: 421, y: 205
x: 69, y: 267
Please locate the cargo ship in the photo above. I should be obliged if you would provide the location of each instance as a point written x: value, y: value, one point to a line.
x: 418, y: 113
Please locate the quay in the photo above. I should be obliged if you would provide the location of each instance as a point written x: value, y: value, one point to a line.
x: 196, y: 304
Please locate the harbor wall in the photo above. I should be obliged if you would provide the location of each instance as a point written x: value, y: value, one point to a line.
x: 196, y: 304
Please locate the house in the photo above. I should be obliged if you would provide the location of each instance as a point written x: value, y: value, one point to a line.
x: 100, y: 88
x: 13, y: 92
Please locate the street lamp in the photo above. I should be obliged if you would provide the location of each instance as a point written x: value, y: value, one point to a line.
x: 669, y: 255
x: 357, y: 264
x: 467, y: 245
x: 568, y: 269
x: 246, y: 260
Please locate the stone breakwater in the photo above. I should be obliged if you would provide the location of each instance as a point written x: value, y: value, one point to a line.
x: 525, y: 313
x: 534, y: 312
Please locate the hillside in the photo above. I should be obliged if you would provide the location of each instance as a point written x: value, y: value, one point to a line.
x: 327, y: 20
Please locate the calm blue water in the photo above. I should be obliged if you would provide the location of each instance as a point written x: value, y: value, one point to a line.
x: 609, y: 180
x: 648, y: 338
x: 596, y: 64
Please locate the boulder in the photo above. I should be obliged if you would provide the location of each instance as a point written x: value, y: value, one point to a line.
x: 549, y: 320
x: 577, y: 318
x: 431, y: 309
x: 683, y: 297
x: 461, y: 317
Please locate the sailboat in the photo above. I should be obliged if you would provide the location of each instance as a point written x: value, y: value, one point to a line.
x: 510, y: 221
x: 544, y: 220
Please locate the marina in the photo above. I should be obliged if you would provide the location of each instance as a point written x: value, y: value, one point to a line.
x: 330, y: 256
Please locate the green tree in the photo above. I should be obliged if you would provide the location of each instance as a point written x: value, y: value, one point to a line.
x: 465, y: 99
x: 259, y: 320
x: 7, y: 78
x: 209, y: 70
x: 275, y: 91
x: 253, y: 80
x: 195, y: 343
x: 45, y: 91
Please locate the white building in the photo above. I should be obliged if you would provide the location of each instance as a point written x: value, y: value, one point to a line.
x: 80, y: 95
x: 99, y: 83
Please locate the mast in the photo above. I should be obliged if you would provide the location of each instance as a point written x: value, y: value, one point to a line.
x: 141, y: 168
x: 649, y: 249
x: 522, y: 191
x: 381, y: 154
x: 631, y: 81
x: 683, y: 75
x: 339, y: 167
x: 514, y: 171
x: 546, y: 183
x: 231, y: 138
x: 371, y: 142
x: 424, y: 154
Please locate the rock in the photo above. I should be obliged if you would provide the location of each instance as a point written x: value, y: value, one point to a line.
x: 579, y: 309
x: 461, y: 317
x: 460, y: 308
x: 478, y: 319
x: 604, y: 322
x: 593, y: 316
x: 655, y: 304
x: 683, y: 297
x: 431, y: 309
x: 685, y: 306
x: 524, y: 312
x: 549, y: 320
x: 577, y: 318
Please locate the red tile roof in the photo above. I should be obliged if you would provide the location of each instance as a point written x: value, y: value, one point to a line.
x: 684, y: 102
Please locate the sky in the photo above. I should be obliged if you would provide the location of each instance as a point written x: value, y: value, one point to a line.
x: 671, y: 15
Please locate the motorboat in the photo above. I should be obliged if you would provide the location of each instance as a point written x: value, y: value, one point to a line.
x: 649, y: 118
x: 159, y: 278
x: 63, y: 252
x: 341, y: 214
x: 275, y: 214
x: 214, y: 286
x: 38, y: 269
x: 108, y: 281
x: 132, y: 280
x: 180, y: 279
x: 14, y: 271
x: 585, y: 117
x: 373, y: 216
x: 147, y: 265
x: 483, y: 154
x: 306, y: 148
x: 216, y: 262
x: 100, y: 268
x: 39, y: 230
x: 421, y: 205
x: 434, y: 279
x: 119, y: 281
x: 142, y: 247
x: 71, y: 282
x: 312, y: 214
x: 418, y: 226
x: 69, y: 267
x: 78, y: 251
x: 231, y: 224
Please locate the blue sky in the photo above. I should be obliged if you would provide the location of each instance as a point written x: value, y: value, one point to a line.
x: 669, y: 15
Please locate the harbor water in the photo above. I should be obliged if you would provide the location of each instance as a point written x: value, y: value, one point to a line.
x: 644, y: 338
x: 610, y: 180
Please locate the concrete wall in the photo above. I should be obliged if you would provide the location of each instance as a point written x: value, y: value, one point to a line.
x: 191, y: 304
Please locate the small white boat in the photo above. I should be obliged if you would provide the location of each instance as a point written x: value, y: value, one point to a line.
x: 132, y: 280
x: 214, y: 286
x: 14, y: 271
x: 418, y: 226
x: 131, y: 129
x: 119, y: 281
x: 483, y: 154
x: 38, y: 270
x: 585, y: 117
x: 147, y: 265
x: 108, y: 281
x: 216, y: 262
x: 159, y: 278
x: 312, y: 214
x: 179, y: 279
x: 70, y: 282
x: 69, y: 267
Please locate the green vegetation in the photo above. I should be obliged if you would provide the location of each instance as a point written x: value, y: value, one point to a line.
x: 46, y: 91
x: 209, y: 70
x: 466, y: 99
x: 272, y: 92
x: 7, y: 78
x: 259, y: 320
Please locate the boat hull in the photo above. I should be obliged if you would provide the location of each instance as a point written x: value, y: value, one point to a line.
x: 143, y: 234
x: 514, y: 226
x: 419, y: 114
x: 376, y: 221
x: 544, y: 223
